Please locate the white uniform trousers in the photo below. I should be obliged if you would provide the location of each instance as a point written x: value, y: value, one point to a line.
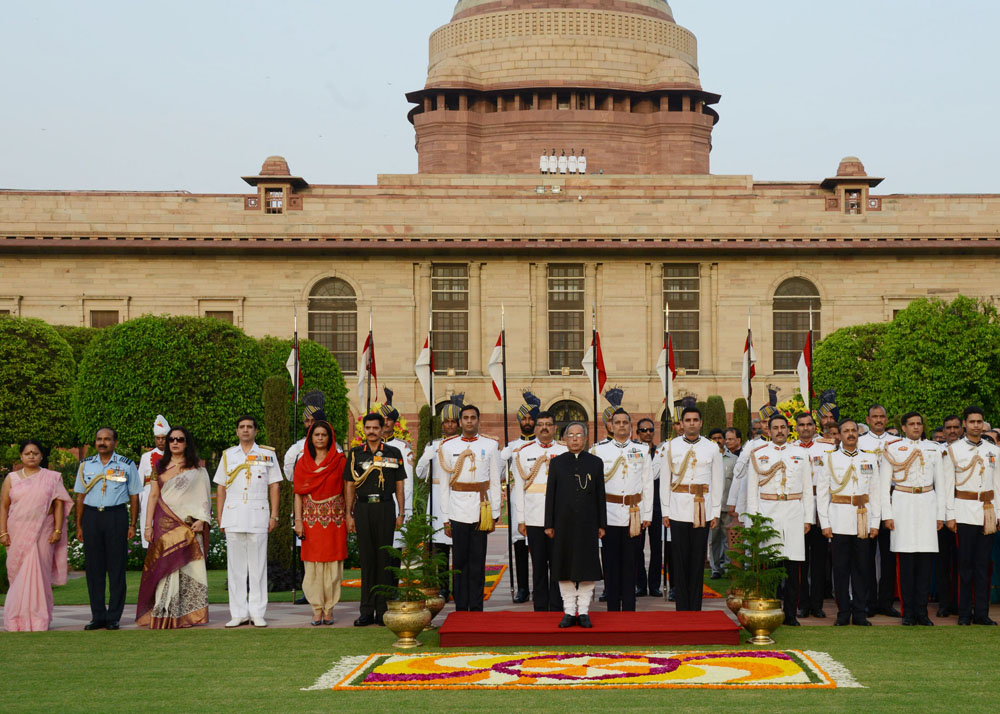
x: 143, y: 500
x: 576, y: 598
x: 246, y: 555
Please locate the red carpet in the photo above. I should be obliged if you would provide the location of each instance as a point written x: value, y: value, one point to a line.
x: 624, y: 629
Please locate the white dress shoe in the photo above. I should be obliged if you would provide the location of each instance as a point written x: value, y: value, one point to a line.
x: 236, y: 622
x: 259, y: 622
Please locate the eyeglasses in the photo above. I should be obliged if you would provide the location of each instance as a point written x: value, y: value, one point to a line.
x: 177, y: 439
x: 645, y: 431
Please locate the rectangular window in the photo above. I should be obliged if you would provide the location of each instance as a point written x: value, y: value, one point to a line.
x: 567, y: 318
x: 274, y: 200
x: 682, y: 293
x: 103, y: 318
x: 223, y: 315
x: 4, y: 312
x: 450, y: 317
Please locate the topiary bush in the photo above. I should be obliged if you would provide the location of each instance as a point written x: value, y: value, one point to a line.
x: 741, y: 417
x: 715, y: 413
x: 198, y: 372
x: 78, y: 338
x: 36, y: 383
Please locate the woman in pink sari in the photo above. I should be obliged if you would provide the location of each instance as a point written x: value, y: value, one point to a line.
x: 173, y: 592
x: 34, y: 507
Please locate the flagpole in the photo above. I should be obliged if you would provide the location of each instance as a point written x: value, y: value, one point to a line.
x: 809, y: 366
x: 506, y: 440
x: 430, y: 476
x: 596, y: 376
x: 295, y: 435
x: 371, y: 342
x: 749, y: 352
x: 666, y: 367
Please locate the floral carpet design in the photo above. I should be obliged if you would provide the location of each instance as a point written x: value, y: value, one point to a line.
x: 728, y: 669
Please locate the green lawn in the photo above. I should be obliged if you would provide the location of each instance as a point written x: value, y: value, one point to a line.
x: 904, y: 670
x: 75, y: 591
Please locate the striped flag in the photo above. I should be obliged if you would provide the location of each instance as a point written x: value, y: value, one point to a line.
x: 495, y: 368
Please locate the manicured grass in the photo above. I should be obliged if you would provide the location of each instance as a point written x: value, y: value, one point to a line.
x: 904, y: 670
x: 74, y: 592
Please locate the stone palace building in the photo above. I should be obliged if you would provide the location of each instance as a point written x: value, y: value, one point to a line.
x: 480, y: 227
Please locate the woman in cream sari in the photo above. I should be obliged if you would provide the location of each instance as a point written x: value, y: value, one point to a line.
x: 173, y: 592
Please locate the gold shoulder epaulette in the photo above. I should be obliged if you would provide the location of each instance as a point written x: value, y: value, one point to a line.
x: 866, y: 451
x: 759, y: 448
x: 522, y: 447
x: 493, y: 438
x: 449, y: 438
x: 269, y: 448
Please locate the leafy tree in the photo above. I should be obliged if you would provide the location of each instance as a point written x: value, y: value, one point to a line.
x: 741, y: 417
x: 198, y: 372
x: 319, y: 371
x: 849, y: 361
x: 715, y: 413
x: 36, y: 383
x: 79, y: 338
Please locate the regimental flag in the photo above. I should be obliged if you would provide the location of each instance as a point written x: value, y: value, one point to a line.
x: 496, y: 368
x: 749, y: 362
x: 804, y: 370
x: 367, y: 366
x: 425, y: 371
x: 593, y: 356
x: 294, y: 366
x: 667, y: 370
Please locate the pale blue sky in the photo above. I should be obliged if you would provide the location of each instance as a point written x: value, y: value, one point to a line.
x: 194, y: 94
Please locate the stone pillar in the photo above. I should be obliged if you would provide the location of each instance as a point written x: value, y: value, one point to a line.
x: 475, y: 319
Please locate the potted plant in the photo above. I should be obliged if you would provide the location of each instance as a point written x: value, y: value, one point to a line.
x: 756, y: 570
x: 407, y: 613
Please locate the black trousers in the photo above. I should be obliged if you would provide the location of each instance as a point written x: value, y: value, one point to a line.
x: 688, y: 549
x: 882, y: 595
x: 654, y: 578
x: 791, y: 587
x: 469, y: 556
x: 974, y: 550
x: 445, y: 549
x: 521, y: 564
x: 619, y: 568
x: 375, y: 523
x: 850, y: 574
x: 105, y: 552
x: 814, y: 570
x: 947, y: 570
x: 545, y: 594
x: 915, y: 582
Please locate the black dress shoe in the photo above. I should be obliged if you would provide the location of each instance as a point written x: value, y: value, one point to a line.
x: 584, y: 621
x: 861, y: 621
x: 521, y: 596
x: 889, y: 612
x: 925, y: 621
x: 568, y: 621
x: 717, y: 575
x: 364, y: 621
x: 301, y: 601
x: 94, y: 625
x: 792, y: 622
x: 909, y: 622
x: 943, y: 612
x: 113, y: 625
x: 640, y: 592
x: 819, y: 613
x: 964, y: 621
x: 603, y: 597
x: 671, y: 595
x: 842, y: 621
x: 380, y: 621
x: 803, y: 612
x: 978, y: 621
x: 655, y: 592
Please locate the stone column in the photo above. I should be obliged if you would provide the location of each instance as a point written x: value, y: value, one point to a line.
x: 475, y: 320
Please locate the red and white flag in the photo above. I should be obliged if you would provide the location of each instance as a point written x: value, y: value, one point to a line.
x: 294, y: 367
x: 425, y: 370
x: 667, y: 370
x: 749, y: 362
x: 589, y: 360
x: 496, y: 369
x: 367, y: 366
x: 804, y: 370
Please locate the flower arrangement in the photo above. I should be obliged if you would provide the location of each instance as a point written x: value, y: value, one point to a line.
x: 789, y: 408
x: 401, y: 430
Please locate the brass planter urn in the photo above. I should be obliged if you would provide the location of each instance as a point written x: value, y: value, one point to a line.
x: 407, y: 620
x: 760, y: 617
x: 435, y: 604
x: 734, y: 600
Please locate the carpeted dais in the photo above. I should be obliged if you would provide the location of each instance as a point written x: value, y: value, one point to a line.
x: 730, y: 669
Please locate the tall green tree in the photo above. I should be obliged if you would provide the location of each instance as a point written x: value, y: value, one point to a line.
x: 715, y: 413
x: 741, y: 417
x: 36, y: 383
x: 198, y: 372
x: 79, y: 338
x: 849, y: 361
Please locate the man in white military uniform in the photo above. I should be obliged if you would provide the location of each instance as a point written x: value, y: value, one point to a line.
x: 970, y: 481
x: 628, y: 490
x: 147, y: 462
x: 882, y: 595
x: 526, y: 415
x: 780, y: 487
x: 913, y: 509
x: 847, y: 497
x: 248, y: 480
x: 691, y: 483
x: 531, y: 476
x: 427, y: 468
x: 812, y: 584
x: 737, y: 500
x: 471, y: 473
x: 391, y: 416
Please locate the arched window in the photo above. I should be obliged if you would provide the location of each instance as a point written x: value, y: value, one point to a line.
x: 796, y: 304
x: 566, y: 412
x: 333, y: 321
